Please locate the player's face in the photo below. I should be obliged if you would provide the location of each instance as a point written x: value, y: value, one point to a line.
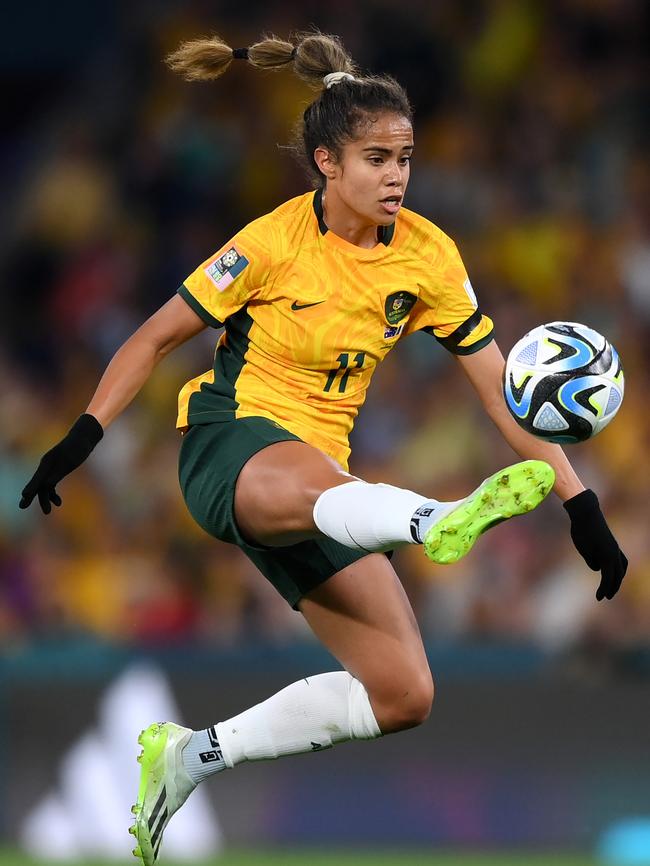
x: 373, y: 171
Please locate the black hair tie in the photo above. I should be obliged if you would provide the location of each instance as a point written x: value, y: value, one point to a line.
x: 293, y: 53
x: 240, y: 53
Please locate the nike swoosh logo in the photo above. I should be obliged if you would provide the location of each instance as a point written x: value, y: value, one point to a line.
x: 297, y: 306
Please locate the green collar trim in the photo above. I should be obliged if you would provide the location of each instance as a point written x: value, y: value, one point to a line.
x: 385, y: 233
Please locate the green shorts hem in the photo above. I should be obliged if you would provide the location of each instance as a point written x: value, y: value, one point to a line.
x: 211, y: 457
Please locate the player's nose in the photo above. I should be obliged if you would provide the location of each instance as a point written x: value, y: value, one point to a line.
x: 392, y: 177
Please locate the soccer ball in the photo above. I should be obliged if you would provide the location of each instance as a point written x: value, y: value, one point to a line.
x: 563, y: 382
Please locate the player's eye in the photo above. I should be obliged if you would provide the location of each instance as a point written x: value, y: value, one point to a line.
x: 404, y: 160
x: 376, y: 160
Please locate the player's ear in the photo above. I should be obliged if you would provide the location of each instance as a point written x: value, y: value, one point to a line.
x: 326, y: 162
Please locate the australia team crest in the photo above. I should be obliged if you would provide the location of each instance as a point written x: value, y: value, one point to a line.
x: 398, y: 305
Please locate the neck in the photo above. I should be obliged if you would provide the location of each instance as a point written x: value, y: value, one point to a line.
x: 346, y: 223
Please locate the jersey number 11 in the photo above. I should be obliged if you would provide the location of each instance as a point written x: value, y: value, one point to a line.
x: 344, y: 369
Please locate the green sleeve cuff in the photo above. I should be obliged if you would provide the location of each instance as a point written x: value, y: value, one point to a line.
x: 200, y: 311
x: 452, y: 342
x: 479, y: 344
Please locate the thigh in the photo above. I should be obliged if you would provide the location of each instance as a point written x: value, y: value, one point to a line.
x: 276, y: 491
x: 364, y: 618
x: 210, y: 461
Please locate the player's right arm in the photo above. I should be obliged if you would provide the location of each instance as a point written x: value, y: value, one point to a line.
x: 173, y: 324
x: 219, y: 287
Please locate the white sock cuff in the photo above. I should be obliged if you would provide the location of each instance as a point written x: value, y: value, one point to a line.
x: 363, y: 724
x: 222, y: 736
x: 371, y: 517
x: 327, y: 505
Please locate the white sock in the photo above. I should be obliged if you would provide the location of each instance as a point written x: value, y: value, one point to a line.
x: 202, y: 755
x: 308, y: 716
x: 376, y: 517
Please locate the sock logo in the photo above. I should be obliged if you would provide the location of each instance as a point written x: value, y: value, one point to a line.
x: 210, y: 757
x: 422, y: 511
x: 215, y: 754
x: 315, y: 746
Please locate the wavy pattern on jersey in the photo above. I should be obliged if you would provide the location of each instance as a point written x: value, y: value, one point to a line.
x: 300, y: 349
x: 293, y: 365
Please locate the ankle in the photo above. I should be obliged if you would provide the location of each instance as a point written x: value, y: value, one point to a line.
x: 202, y: 756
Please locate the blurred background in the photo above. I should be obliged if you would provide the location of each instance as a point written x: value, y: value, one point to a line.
x: 118, y: 178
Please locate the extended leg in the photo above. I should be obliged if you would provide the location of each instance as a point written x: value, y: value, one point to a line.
x: 363, y: 617
x: 290, y: 491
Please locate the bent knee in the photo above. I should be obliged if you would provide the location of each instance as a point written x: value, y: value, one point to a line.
x: 407, y: 707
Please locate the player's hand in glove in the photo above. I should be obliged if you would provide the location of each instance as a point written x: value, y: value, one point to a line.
x: 59, y: 461
x: 595, y: 542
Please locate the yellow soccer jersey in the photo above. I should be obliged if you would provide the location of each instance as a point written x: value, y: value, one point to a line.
x: 308, y: 316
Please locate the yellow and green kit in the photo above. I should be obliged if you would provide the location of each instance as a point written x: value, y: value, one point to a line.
x: 308, y: 316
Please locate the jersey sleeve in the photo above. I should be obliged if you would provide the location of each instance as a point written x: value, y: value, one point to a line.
x: 231, y: 277
x: 447, y: 307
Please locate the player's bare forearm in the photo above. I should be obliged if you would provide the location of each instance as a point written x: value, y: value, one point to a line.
x: 133, y: 363
x: 127, y: 372
x: 484, y: 369
x: 567, y: 483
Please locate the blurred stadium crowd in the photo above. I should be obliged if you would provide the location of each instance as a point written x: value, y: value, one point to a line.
x: 119, y: 178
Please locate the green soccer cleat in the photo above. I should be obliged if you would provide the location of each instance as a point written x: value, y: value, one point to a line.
x: 164, y: 786
x: 511, y: 491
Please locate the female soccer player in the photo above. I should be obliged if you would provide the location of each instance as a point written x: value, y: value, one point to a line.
x: 313, y: 296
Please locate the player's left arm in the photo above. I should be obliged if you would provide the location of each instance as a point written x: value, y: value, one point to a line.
x: 589, y: 530
x: 484, y: 369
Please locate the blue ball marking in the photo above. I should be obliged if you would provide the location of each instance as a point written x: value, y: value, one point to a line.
x: 592, y: 375
x: 522, y: 408
x: 567, y: 394
x: 583, y: 354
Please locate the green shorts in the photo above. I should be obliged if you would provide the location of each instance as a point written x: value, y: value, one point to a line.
x: 211, y: 458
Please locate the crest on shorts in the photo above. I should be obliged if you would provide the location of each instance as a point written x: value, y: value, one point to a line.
x: 399, y: 305
x: 229, y: 265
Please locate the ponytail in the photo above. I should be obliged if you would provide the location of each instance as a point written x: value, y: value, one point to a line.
x: 314, y: 55
x: 345, y: 103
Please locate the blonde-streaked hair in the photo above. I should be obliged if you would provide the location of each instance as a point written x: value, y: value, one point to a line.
x: 340, y: 111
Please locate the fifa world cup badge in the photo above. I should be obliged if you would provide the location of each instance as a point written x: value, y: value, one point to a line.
x: 226, y: 268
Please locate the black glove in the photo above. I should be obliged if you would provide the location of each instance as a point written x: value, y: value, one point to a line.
x: 595, y: 542
x: 59, y: 461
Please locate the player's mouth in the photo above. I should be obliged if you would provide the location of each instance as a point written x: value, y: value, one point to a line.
x: 391, y: 204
